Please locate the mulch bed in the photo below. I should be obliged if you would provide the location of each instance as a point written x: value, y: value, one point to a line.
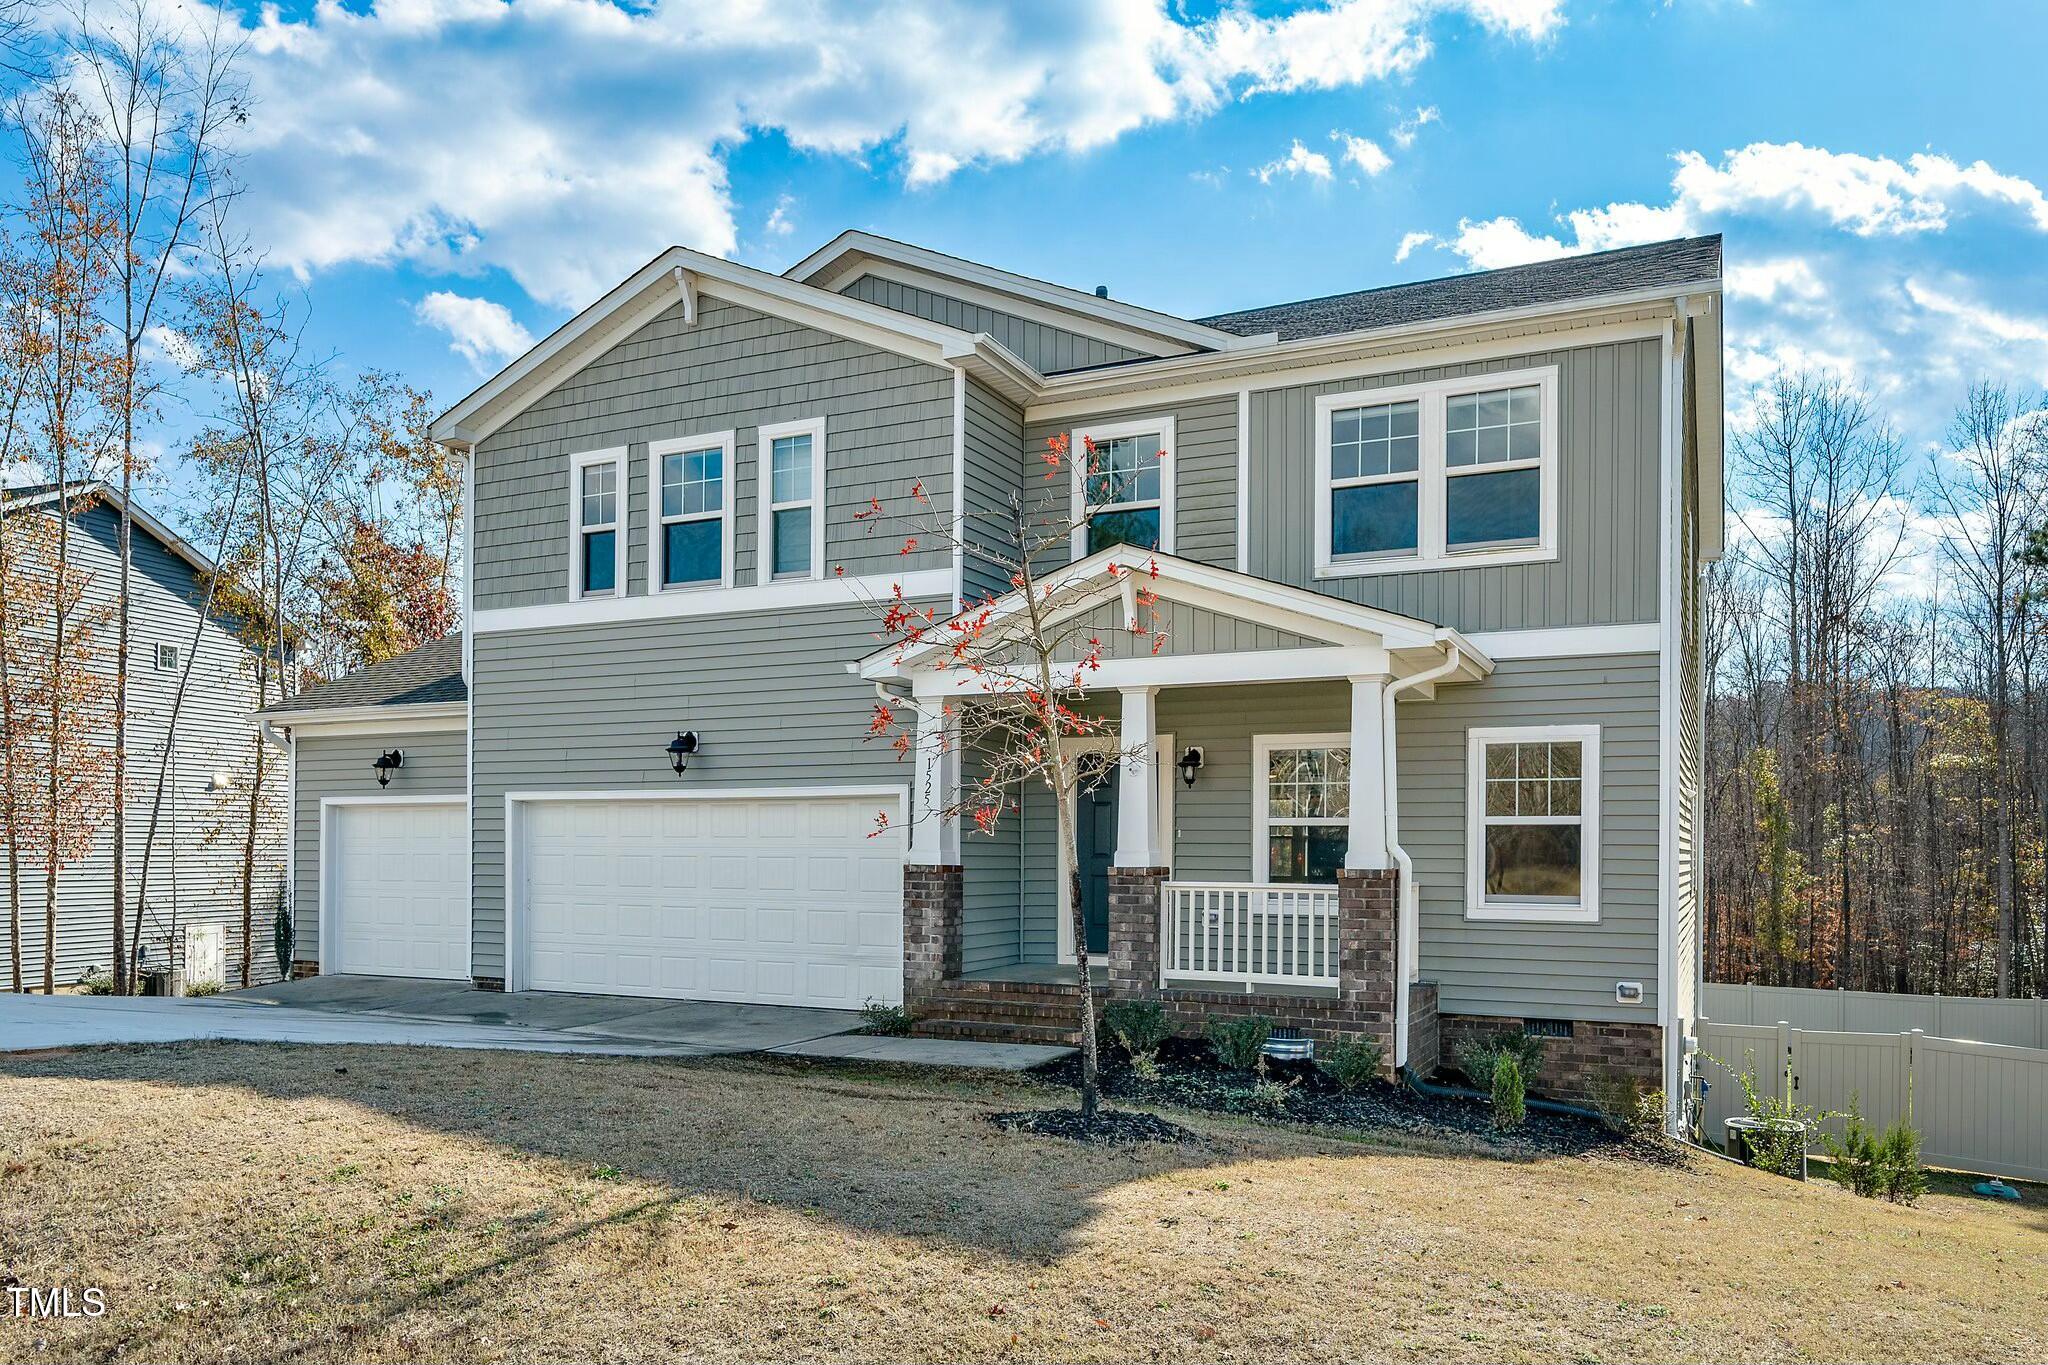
x: 1189, y: 1078
x: 1111, y: 1126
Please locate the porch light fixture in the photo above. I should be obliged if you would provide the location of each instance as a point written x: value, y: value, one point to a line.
x: 681, y: 749
x: 388, y: 762
x: 1190, y: 764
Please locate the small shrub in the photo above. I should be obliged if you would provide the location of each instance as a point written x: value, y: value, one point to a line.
x: 1876, y: 1165
x: 1271, y: 1096
x: 1146, y: 1067
x: 891, y: 1021
x: 202, y: 988
x: 1509, y: 1106
x: 1139, y: 1027
x: 1352, y: 1062
x: 1780, y: 1146
x: 1627, y: 1105
x: 96, y: 981
x: 1478, y: 1056
x: 1239, y: 1043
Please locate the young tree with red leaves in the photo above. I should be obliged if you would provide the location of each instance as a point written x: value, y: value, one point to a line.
x: 1021, y: 666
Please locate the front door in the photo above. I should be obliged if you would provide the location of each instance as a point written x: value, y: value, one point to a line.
x: 1096, y: 836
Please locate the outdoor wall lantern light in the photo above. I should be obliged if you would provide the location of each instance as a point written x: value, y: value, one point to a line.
x: 388, y: 763
x: 681, y: 749
x: 1190, y: 764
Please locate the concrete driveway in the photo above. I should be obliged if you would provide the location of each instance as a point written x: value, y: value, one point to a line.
x: 363, y: 1009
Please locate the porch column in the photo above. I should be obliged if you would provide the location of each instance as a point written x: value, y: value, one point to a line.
x: 935, y: 787
x: 1368, y: 847
x: 1137, y: 844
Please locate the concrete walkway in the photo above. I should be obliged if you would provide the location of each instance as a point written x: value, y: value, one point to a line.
x: 406, y: 1011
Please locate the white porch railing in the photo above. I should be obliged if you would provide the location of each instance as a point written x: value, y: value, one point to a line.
x: 1254, y: 935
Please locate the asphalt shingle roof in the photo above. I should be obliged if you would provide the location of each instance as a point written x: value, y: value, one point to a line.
x: 431, y: 673
x: 1681, y: 261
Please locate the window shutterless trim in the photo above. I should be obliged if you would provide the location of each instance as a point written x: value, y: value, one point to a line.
x: 1433, y: 475
x: 724, y: 442
x: 766, y: 507
x: 1262, y: 804
x: 1477, y: 907
x: 1077, y: 456
x: 615, y: 456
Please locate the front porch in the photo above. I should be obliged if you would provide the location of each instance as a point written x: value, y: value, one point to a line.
x: 1237, y: 852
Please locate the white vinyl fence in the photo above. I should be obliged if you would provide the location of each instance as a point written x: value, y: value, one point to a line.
x: 1978, y: 1106
x: 2016, y: 1023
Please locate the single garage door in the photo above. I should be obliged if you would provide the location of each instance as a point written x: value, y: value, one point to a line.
x: 779, y: 902
x: 399, y: 889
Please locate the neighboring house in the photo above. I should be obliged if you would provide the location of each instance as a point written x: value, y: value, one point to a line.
x: 1430, y: 556
x: 194, y: 896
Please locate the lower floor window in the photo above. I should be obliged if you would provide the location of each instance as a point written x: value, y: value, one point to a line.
x: 1305, y: 809
x: 1533, y: 827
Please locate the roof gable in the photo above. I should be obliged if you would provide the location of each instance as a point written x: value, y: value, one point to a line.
x: 430, y: 675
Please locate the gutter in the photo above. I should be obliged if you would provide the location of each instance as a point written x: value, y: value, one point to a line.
x: 1408, y: 916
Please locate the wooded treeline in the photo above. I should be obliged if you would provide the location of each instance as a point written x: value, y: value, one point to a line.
x: 1877, y: 778
x: 145, y: 351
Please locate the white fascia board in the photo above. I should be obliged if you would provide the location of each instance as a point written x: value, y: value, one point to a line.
x: 777, y: 595
x: 1087, y: 391
x: 652, y: 290
x: 845, y: 255
x: 427, y: 717
x: 997, y: 367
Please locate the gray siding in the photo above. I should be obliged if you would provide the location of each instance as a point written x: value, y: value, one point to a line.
x: 991, y: 440
x: 1537, y: 970
x: 1202, y: 465
x: 195, y: 874
x: 888, y: 425
x: 1188, y: 630
x: 436, y: 764
x: 1607, y: 569
x: 990, y: 876
x: 591, y: 707
x: 1043, y: 347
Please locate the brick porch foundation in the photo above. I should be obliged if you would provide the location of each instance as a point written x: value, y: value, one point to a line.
x: 1425, y: 1035
x: 933, y: 901
x: 1572, y: 1067
x: 304, y: 967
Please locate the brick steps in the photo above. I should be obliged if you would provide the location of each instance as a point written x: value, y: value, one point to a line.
x: 988, y: 1031
x: 1002, y: 1011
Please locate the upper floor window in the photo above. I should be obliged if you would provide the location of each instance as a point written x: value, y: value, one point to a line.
x: 1437, y: 475
x: 792, y: 530
x: 1123, y: 485
x: 1533, y: 823
x: 597, y: 481
x: 690, y: 537
x: 167, y: 658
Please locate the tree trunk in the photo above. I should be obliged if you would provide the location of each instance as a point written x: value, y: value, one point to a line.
x: 1091, y: 1091
x: 122, y: 984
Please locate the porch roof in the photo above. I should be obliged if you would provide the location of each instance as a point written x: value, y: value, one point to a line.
x: 1354, y: 640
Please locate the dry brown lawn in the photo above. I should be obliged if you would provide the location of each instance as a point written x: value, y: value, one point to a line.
x: 251, y: 1202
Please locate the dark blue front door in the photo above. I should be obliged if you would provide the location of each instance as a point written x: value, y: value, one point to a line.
x: 1096, y: 835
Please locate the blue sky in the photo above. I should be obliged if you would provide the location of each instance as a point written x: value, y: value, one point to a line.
x: 447, y: 179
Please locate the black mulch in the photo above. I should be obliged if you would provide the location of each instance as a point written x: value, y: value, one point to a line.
x: 1110, y: 1126
x: 1189, y: 1078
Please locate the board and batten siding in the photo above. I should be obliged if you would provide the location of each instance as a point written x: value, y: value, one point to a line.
x: 1202, y: 465
x: 1607, y: 569
x: 592, y: 708
x: 195, y: 869
x: 1561, y: 971
x: 436, y: 764
x: 888, y: 426
x: 1040, y: 345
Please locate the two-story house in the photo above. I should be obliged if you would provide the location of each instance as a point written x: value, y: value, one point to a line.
x: 1429, y: 560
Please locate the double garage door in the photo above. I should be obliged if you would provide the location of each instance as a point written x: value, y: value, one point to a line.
x: 780, y: 901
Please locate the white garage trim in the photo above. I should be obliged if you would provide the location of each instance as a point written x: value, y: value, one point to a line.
x: 516, y: 948
x: 329, y: 805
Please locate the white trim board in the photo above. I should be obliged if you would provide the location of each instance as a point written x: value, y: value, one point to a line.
x: 851, y: 591
x: 514, y: 966
x: 327, y: 870
x: 1569, y: 642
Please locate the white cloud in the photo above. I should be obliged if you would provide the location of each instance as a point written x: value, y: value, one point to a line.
x: 1410, y: 242
x: 1299, y: 161
x: 1363, y: 153
x: 779, y: 224
x: 564, y: 142
x: 482, y: 332
x: 1405, y: 133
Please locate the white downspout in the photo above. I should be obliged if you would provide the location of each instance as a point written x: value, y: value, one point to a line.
x: 1408, y: 929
